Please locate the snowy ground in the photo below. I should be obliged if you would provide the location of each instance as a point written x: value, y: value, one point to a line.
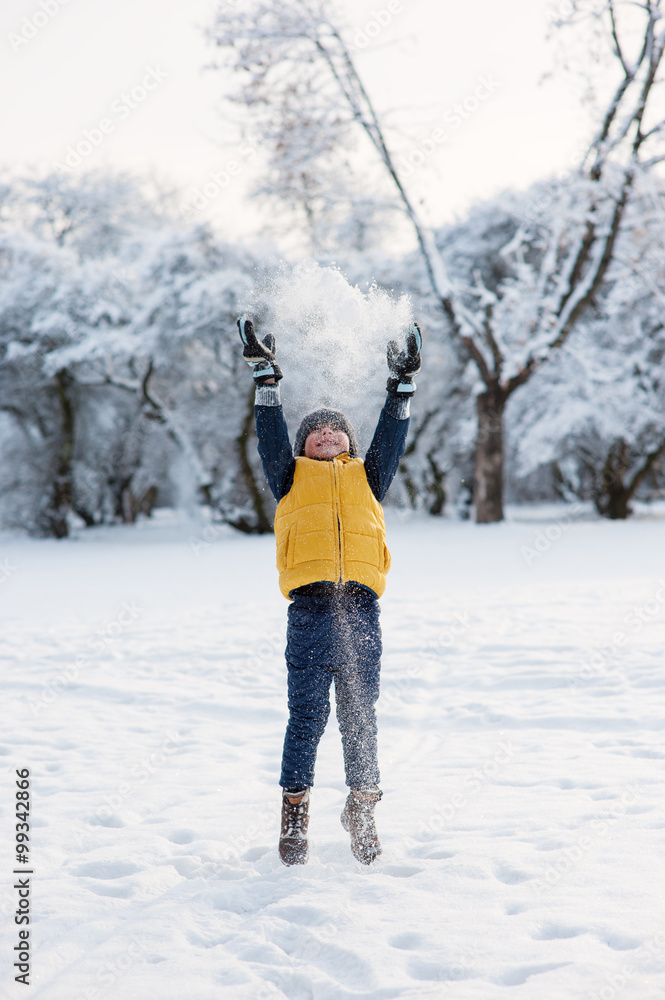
x: 521, y: 739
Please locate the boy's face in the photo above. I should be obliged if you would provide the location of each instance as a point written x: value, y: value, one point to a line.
x: 326, y: 442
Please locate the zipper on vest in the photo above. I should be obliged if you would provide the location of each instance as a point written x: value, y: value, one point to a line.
x: 339, y: 526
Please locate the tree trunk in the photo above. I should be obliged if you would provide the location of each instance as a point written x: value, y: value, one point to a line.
x: 488, y: 481
x: 613, y: 498
x: 132, y: 504
x: 409, y: 485
x: 61, y: 496
x: 438, y: 487
x: 262, y: 524
x: 615, y: 504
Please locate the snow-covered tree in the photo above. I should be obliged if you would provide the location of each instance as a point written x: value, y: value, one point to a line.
x: 55, y: 295
x: 306, y: 102
x: 596, y: 411
x: 192, y: 380
x: 119, y: 368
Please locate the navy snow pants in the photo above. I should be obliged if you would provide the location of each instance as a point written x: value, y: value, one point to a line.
x: 333, y: 634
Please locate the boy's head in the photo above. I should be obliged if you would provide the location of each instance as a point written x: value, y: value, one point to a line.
x: 324, y: 434
x: 326, y: 442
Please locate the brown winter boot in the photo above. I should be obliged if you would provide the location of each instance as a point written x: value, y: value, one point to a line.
x: 358, y: 818
x: 295, y: 820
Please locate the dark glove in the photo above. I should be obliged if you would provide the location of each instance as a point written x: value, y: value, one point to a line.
x: 404, y: 365
x: 259, y: 355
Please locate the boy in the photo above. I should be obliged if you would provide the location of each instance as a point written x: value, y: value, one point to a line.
x: 332, y: 560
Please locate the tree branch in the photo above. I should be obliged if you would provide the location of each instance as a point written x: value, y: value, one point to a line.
x: 479, y: 359
x: 600, y: 143
x: 640, y: 475
x: 165, y: 416
x: 522, y: 376
x: 433, y: 263
x: 586, y: 291
x: 491, y: 340
x: 617, y: 46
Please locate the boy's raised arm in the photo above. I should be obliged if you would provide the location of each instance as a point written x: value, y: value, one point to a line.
x: 273, y: 437
x: 385, y: 452
x: 271, y: 430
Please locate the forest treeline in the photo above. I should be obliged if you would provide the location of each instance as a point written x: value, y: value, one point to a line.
x: 122, y: 386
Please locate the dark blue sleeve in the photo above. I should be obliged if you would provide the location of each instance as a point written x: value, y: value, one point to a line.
x: 385, y: 452
x: 275, y: 449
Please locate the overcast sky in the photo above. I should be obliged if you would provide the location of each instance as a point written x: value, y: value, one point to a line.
x: 81, y: 58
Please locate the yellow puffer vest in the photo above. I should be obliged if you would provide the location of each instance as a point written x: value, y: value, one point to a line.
x: 330, y: 526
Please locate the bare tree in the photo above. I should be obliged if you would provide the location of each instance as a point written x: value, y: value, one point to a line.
x: 306, y: 102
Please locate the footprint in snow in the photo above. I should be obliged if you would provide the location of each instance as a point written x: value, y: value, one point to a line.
x: 516, y: 977
x: 112, y: 821
x: 550, y: 845
x: 307, y: 916
x: 423, y: 971
x: 620, y: 942
x: 513, y: 909
x: 115, y: 891
x: 557, y: 932
x: 510, y: 876
x: 406, y: 942
x: 256, y: 853
x: 181, y: 837
x: 107, y: 869
x: 427, y: 854
x: 187, y: 866
x: 402, y: 871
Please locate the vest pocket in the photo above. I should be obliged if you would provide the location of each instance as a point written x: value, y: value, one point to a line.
x: 281, y: 554
x: 285, y: 548
x: 291, y: 546
x: 386, y: 561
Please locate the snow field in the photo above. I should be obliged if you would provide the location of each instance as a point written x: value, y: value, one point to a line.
x: 521, y: 745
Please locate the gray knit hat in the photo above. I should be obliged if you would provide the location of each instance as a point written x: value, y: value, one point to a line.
x: 335, y: 418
